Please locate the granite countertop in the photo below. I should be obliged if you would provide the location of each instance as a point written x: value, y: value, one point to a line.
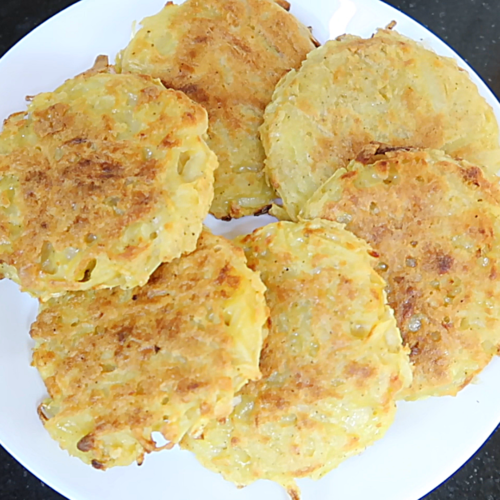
x: 472, y: 28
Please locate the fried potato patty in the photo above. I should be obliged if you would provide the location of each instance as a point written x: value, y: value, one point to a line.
x: 435, y: 225
x: 101, y: 181
x: 227, y: 55
x: 167, y: 357
x: 353, y: 91
x: 331, y: 365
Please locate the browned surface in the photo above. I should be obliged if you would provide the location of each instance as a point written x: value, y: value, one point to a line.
x: 166, y: 357
x: 331, y: 365
x: 353, y: 91
x: 435, y: 225
x: 227, y: 55
x: 89, y: 161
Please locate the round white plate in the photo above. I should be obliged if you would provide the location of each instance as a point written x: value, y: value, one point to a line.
x: 427, y: 443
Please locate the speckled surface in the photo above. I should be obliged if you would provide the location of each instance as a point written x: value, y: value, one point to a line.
x: 472, y: 28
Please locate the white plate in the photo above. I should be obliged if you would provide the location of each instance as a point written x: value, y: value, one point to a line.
x: 427, y: 443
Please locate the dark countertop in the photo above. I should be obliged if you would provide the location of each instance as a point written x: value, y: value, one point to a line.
x: 472, y: 28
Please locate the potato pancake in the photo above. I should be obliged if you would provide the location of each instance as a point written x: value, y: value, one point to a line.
x: 435, y: 225
x: 100, y: 182
x: 227, y: 55
x: 167, y: 357
x: 354, y: 91
x: 332, y: 364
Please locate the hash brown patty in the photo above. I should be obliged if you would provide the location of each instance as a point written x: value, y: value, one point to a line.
x: 353, y: 91
x: 101, y: 181
x: 167, y: 357
x: 227, y: 55
x: 434, y: 223
x: 331, y: 365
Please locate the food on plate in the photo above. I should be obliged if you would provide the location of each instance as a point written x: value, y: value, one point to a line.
x: 354, y: 91
x: 434, y: 223
x: 282, y: 354
x: 168, y: 357
x: 332, y: 364
x: 228, y: 56
x: 100, y: 182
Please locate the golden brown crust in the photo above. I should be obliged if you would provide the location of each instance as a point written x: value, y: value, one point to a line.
x: 85, y: 166
x: 434, y: 225
x: 333, y: 355
x: 228, y: 56
x: 353, y: 91
x: 101, y: 65
x: 167, y: 357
